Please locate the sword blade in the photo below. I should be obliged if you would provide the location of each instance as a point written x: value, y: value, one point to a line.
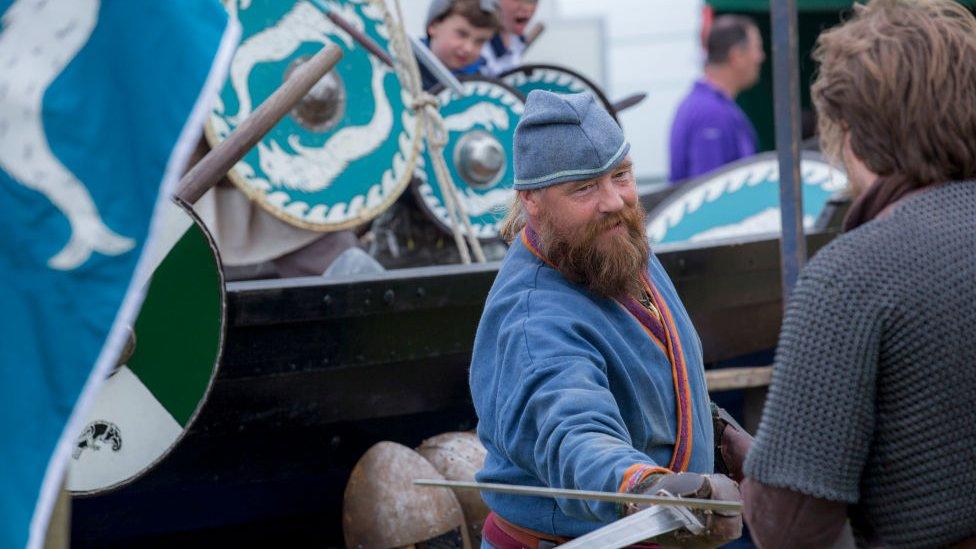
x: 644, y: 524
x: 436, y: 66
x: 614, y: 497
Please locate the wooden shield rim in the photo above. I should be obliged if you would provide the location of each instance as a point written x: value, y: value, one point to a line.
x: 416, y: 182
x: 213, y: 372
x: 589, y: 83
x: 365, y: 215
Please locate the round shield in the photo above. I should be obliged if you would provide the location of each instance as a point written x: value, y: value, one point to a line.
x: 741, y: 199
x: 146, y: 405
x: 553, y: 78
x: 348, y: 149
x: 480, y: 126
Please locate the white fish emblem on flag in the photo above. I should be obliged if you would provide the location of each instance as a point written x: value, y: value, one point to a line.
x: 31, y: 57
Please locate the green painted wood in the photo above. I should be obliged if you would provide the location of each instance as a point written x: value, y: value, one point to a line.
x: 178, y: 331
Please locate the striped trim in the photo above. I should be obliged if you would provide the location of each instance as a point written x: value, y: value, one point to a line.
x: 530, y: 239
x: 682, y: 390
x: 633, y: 477
x: 550, y: 179
x: 637, y: 473
x: 653, y: 326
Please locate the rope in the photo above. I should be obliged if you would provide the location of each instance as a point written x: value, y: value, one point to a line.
x: 426, y: 106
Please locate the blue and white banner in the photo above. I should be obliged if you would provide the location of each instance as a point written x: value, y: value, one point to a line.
x: 101, y: 104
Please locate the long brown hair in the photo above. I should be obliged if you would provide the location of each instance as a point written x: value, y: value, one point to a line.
x: 900, y: 76
x: 514, y: 220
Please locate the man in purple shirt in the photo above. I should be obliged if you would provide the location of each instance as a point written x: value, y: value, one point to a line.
x: 709, y: 128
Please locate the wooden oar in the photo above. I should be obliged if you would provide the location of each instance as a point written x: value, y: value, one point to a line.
x: 215, y: 165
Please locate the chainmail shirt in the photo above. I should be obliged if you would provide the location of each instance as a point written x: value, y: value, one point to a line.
x: 873, y: 398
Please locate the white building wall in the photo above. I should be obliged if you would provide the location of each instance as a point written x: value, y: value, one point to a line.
x: 653, y: 47
x: 578, y: 43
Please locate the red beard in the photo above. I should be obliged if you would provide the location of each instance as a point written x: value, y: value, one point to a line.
x: 608, y: 265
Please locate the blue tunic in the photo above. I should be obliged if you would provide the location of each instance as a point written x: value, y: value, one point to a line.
x: 571, y: 391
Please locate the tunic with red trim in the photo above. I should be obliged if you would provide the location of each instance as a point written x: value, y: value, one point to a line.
x: 573, y: 390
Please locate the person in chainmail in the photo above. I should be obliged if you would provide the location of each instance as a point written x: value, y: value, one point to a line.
x: 870, y: 412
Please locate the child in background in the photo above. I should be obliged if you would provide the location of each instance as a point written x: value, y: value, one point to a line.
x: 504, y: 50
x: 457, y: 30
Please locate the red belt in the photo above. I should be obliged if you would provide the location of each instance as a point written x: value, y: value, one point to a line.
x: 501, y: 534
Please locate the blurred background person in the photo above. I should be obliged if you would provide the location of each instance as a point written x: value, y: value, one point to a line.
x: 457, y: 31
x: 709, y: 129
x: 504, y: 50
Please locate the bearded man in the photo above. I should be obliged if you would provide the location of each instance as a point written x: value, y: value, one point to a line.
x: 587, y: 372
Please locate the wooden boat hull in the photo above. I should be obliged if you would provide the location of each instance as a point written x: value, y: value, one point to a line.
x: 314, y: 373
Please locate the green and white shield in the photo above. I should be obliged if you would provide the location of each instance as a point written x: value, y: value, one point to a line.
x: 481, y: 127
x: 741, y: 200
x: 553, y: 78
x: 146, y: 405
x: 348, y: 149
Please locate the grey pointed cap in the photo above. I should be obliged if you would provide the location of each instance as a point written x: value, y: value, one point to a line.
x: 564, y: 138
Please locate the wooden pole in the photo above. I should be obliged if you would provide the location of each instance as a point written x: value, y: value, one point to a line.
x: 58, y: 534
x: 728, y: 379
x: 533, y: 34
x: 629, y: 101
x: 215, y: 165
x: 360, y: 38
x: 786, y: 103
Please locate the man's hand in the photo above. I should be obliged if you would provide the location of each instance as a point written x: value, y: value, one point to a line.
x: 720, y: 526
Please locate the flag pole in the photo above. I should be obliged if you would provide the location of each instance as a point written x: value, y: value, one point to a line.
x: 215, y: 165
